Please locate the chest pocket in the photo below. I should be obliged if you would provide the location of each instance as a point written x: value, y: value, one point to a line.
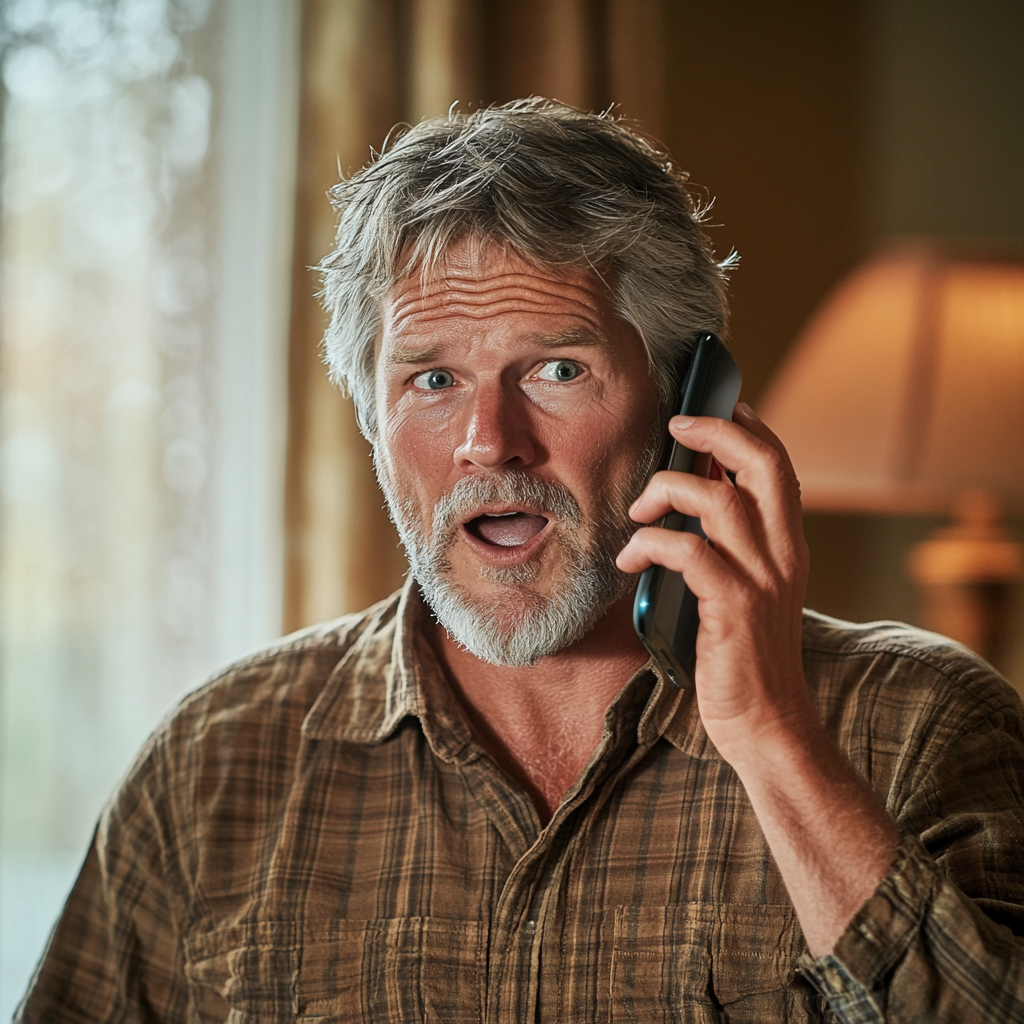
x: 401, y: 970
x: 242, y: 973
x: 705, y: 964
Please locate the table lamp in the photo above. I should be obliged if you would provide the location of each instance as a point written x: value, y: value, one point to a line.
x: 905, y: 393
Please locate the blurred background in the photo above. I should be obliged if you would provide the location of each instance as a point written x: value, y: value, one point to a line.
x: 178, y: 481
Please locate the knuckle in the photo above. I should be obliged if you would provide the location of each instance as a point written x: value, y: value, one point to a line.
x: 779, y: 467
x: 682, y: 547
x: 645, y: 537
x: 727, y: 496
x: 663, y: 482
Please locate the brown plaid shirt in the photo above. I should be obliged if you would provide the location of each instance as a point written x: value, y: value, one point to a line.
x: 315, y: 836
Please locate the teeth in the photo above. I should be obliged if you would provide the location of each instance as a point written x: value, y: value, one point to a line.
x: 499, y: 515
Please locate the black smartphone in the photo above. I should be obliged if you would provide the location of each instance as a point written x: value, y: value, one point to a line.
x: 665, y: 609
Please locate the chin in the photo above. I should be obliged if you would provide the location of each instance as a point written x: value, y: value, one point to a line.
x: 516, y: 627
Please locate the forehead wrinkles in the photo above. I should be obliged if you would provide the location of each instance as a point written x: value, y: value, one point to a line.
x: 478, y: 298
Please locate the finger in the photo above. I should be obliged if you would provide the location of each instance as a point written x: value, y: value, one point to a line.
x: 724, y: 600
x: 791, y: 511
x: 731, y: 437
x: 705, y: 571
x: 749, y: 420
x: 764, y: 475
x: 716, y: 503
x: 745, y: 445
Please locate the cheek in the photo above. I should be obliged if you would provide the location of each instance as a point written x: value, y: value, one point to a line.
x: 622, y: 427
x: 418, y: 446
x: 591, y: 458
x: 615, y: 445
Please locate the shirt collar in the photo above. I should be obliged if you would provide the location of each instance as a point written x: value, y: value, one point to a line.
x: 368, y: 692
x: 390, y: 673
x: 683, y: 727
x: 672, y: 714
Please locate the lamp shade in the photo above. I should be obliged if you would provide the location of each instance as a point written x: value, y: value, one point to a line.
x: 907, y: 386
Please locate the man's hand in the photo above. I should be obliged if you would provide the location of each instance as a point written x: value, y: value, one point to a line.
x: 831, y: 838
x: 750, y: 584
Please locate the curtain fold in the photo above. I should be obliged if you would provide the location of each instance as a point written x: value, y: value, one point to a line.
x: 341, y: 552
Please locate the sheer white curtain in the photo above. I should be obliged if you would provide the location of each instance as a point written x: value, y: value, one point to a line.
x: 144, y: 266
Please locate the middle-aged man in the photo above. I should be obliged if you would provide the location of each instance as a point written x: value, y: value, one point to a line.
x: 479, y: 800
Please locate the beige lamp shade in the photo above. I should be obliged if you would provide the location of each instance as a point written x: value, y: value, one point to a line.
x: 907, y: 386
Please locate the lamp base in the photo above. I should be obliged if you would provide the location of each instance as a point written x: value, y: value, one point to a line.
x: 966, y: 575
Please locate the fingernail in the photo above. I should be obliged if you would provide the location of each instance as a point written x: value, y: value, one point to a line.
x: 746, y: 410
x: 682, y: 422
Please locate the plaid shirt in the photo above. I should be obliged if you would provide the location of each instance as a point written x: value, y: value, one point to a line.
x: 316, y: 836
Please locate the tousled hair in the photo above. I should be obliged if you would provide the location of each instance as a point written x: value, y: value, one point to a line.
x: 557, y: 186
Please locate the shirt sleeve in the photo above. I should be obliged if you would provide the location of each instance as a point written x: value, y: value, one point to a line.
x: 942, y: 938
x: 114, y: 955
x: 920, y: 950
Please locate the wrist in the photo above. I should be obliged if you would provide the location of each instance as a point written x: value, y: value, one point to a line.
x: 769, y: 739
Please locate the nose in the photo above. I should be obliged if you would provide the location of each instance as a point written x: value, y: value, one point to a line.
x: 496, y: 431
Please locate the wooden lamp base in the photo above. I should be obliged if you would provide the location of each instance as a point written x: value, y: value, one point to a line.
x: 966, y: 575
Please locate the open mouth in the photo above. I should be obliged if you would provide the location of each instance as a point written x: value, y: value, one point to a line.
x: 506, y: 529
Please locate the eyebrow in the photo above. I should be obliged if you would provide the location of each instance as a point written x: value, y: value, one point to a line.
x: 407, y: 356
x: 575, y: 337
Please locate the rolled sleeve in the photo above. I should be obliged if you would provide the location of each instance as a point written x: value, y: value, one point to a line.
x: 920, y: 950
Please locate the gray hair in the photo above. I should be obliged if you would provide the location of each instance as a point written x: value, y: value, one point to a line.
x: 556, y: 185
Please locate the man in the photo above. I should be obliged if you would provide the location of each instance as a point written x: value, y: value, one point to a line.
x: 479, y: 800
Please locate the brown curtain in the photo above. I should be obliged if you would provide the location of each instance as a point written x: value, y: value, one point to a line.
x: 366, y: 65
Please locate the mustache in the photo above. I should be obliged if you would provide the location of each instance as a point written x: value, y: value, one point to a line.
x: 511, y: 486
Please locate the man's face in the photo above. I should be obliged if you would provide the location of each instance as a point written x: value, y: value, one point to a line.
x: 518, y: 421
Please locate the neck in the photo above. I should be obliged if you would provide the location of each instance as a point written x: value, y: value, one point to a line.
x: 541, y: 724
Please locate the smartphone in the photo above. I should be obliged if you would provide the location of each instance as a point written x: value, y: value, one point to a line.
x: 665, y: 609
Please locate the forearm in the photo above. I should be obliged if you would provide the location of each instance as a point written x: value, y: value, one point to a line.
x: 891, y: 937
x: 831, y: 838
x: 920, y: 950
x: 954, y: 756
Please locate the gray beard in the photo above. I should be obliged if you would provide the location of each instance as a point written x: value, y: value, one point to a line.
x: 516, y: 626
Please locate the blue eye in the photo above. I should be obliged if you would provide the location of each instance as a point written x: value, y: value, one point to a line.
x: 435, y: 380
x: 560, y: 370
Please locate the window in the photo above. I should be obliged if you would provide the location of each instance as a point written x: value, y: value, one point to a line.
x: 144, y: 265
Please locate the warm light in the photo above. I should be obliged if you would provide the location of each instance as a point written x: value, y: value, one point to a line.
x: 907, y: 387
x: 906, y: 394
